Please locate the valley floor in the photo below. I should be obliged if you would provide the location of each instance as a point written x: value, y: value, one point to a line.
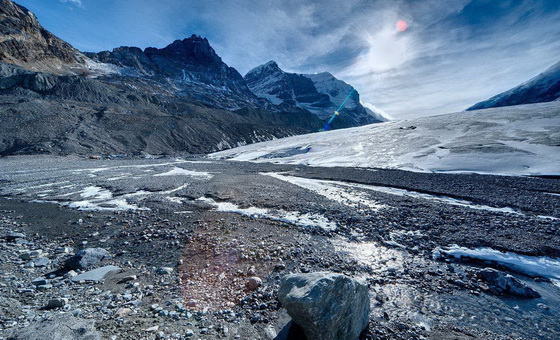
x: 193, y: 230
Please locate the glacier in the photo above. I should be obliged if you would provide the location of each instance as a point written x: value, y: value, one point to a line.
x: 515, y: 140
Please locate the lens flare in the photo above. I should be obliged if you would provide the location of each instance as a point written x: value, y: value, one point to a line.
x: 402, y: 25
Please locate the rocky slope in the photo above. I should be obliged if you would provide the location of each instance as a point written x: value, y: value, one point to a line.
x: 319, y: 93
x: 543, y: 88
x: 24, y: 42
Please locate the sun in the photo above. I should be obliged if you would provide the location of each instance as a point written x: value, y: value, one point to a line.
x: 402, y: 25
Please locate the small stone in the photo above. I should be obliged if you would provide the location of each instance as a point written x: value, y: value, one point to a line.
x: 63, y: 250
x: 164, y: 270
x: 189, y: 332
x: 152, y: 329
x: 12, y: 236
x: 31, y: 254
x: 253, y: 283
x: 127, y: 278
x: 192, y: 303
x: 56, y: 303
x: 39, y: 281
x: 70, y: 274
x: 543, y: 306
x: 122, y: 312
x: 41, y: 262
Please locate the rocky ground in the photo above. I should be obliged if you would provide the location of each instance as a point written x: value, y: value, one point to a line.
x: 201, y: 247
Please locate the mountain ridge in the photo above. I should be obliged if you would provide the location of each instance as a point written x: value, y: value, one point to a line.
x: 544, y: 87
x: 320, y: 93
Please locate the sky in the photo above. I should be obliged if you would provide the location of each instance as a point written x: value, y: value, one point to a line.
x: 409, y: 58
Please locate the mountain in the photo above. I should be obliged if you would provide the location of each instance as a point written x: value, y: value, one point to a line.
x: 321, y: 94
x: 188, y: 67
x: 178, y: 99
x: 543, y: 88
x: 24, y: 42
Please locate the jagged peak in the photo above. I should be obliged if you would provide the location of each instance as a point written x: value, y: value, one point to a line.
x: 269, y: 67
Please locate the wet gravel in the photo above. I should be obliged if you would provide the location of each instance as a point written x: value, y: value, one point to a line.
x: 212, y: 254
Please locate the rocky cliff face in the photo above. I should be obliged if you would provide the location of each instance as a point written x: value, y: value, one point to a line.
x: 543, y: 88
x: 321, y: 93
x: 191, y: 66
x: 24, y: 42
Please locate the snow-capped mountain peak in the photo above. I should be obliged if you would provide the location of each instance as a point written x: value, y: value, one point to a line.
x: 320, y: 93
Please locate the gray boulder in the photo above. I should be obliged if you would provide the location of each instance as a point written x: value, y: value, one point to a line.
x: 501, y: 283
x: 87, y: 258
x: 328, y: 306
x: 59, y: 327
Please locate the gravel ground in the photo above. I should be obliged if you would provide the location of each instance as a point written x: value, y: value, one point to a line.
x: 185, y: 264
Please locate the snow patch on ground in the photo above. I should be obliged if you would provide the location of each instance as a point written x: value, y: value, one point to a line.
x: 516, y: 140
x: 176, y: 171
x: 292, y: 217
x: 335, y: 191
x: 530, y: 265
x: 345, y: 193
x: 100, y: 199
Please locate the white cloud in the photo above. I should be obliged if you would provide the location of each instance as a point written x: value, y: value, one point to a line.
x: 74, y: 2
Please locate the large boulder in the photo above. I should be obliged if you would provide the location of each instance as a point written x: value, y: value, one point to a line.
x: 501, y: 283
x: 87, y: 258
x: 328, y: 306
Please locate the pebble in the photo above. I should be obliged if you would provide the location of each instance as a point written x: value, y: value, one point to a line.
x: 41, y: 262
x: 152, y: 329
x: 122, y: 312
x: 56, y: 303
x: 164, y: 270
x: 31, y: 254
x: 127, y: 278
x: 253, y: 283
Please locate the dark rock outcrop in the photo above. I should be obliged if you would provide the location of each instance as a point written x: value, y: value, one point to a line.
x: 25, y: 42
x: 328, y: 306
x: 501, y: 283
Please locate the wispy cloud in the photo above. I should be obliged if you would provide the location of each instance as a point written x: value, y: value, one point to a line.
x: 74, y: 2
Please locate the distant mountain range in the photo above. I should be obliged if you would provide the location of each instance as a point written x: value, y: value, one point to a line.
x: 543, y: 88
x: 181, y: 98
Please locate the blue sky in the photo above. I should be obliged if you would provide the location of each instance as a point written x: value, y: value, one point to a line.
x: 453, y: 54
